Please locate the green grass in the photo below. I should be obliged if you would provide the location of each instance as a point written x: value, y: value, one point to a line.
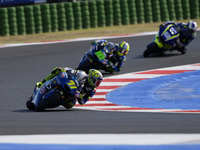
x: 92, y: 32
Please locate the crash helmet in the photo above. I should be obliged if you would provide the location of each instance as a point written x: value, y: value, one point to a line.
x: 110, y: 46
x: 81, y: 76
x: 123, y: 48
x: 94, y: 77
x: 191, y: 27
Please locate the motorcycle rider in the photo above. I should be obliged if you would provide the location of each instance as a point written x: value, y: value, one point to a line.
x: 87, y: 85
x: 187, y: 34
x: 115, y: 54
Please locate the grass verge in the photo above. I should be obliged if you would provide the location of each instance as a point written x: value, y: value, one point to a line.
x: 91, y: 32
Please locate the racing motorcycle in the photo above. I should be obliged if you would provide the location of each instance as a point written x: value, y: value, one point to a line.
x: 52, y: 92
x: 167, y: 39
x: 99, y: 60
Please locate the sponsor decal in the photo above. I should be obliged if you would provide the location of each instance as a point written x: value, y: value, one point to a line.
x: 62, y: 75
x: 42, y: 90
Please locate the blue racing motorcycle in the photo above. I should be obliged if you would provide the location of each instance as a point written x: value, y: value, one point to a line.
x: 53, y: 92
x: 167, y: 39
x: 99, y: 60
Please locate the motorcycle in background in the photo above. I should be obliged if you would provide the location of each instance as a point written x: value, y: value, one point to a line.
x: 96, y: 60
x: 167, y: 39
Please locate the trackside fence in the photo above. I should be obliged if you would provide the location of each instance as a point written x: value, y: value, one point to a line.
x: 55, y: 17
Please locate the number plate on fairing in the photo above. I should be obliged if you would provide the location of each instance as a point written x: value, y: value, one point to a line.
x: 100, y: 55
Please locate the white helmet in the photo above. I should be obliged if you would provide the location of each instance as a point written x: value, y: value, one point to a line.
x: 191, y: 27
x: 81, y: 76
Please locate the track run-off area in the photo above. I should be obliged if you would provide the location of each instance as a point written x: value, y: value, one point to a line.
x: 133, y: 95
x: 152, y: 104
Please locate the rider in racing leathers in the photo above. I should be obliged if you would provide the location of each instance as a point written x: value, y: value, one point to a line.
x: 116, y: 54
x: 88, y: 84
x: 187, y: 34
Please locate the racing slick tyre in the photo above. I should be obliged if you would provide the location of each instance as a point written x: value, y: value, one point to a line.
x: 49, y: 102
x: 183, y: 51
x: 150, y: 50
x: 29, y: 104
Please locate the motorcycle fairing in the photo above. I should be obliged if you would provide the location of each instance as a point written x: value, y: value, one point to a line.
x: 100, y: 55
x: 166, y: 37
x: 68, y: 85
x: 169, y: 34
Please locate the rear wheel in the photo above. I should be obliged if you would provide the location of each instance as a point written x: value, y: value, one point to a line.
x: 153, y: 48
x: 49, y: 102
x: 183, y: 50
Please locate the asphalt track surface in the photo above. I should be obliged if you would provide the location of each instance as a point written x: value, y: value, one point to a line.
x: 22, y: 66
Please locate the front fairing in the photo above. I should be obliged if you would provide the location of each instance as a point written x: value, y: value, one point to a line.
x: 44, y: 91
x: 169, y: 34
x: 67, y: 86
x: 166, y: 37
x: 160, y: 43
x: 97, y: 58
x: 101, y: 57
x: 97, y: 55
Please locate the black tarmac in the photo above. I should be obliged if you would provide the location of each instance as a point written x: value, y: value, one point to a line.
x: 21, y: 67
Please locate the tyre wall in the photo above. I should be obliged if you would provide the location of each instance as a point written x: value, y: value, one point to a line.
x: 55, y: 17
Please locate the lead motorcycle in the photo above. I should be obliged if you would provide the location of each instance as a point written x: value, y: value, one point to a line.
x: 167, y: 39
x: 96, y: 60
x: 50, y: 95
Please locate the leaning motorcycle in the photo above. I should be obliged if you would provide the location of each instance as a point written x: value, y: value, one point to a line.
x: 167, y: 39
x: 61, y: 88
x: 96, y: 60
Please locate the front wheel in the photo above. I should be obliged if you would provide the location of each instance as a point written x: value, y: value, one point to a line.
x: 29, y: 104
x: 49, y: 102
x: 150, y: 50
